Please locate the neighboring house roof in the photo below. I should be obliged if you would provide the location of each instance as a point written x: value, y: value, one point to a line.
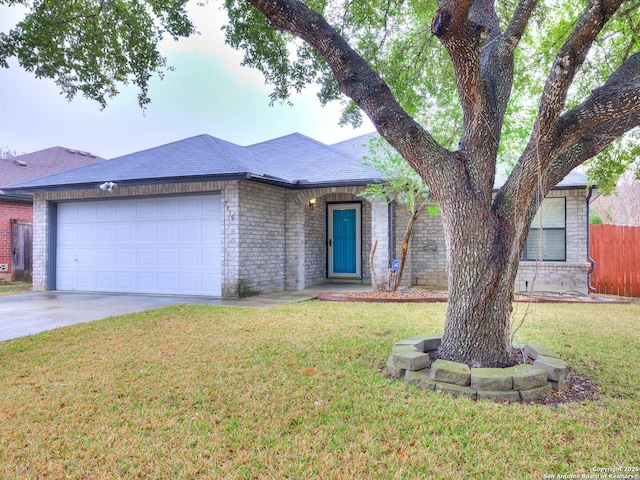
x: 292, y: 161
x: 43, y: 163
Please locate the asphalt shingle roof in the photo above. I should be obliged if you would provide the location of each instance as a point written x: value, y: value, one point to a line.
x: 308, y: 161
x: 291, y: 161
x: 43, y: 163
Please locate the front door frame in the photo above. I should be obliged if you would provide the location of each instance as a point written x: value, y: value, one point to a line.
x: 331, y: 208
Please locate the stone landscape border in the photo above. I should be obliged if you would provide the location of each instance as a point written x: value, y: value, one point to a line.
x: 529, y: 382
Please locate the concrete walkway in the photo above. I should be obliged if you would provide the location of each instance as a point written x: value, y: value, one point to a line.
x: 29, y: 313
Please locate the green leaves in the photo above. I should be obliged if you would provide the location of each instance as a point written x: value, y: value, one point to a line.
x: 402, y: 184
x: 605, y: 169
x: 90, y: 47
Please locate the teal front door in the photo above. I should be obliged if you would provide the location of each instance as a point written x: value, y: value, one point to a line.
x: 344, y: 240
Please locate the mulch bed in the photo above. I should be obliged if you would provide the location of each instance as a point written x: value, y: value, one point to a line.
x: 416, y: 294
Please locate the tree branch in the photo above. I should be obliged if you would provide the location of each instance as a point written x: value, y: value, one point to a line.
x: 619, y: 96
x: 362, y: 84
x: 470, y: 33
x: 590, y: 144
x: 568, y: 60
x: 593, y: 128
x: 463, y: 39
x: 517, y: 25
x: 553, y: 134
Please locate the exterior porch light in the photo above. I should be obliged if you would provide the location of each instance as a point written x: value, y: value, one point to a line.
x: 312, y: 203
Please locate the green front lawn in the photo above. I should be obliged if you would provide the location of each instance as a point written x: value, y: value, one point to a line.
x: 12, y: 288
x: 296, y: 392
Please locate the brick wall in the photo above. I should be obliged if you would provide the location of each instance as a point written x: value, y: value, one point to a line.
x: 427, y: 256
x: 16, y: 210
x: 261, y: 239
x: 272, y: 240
x: 426, y: 263
x: 306, y: 234
x: 267, y: 232
x: 571, y: 274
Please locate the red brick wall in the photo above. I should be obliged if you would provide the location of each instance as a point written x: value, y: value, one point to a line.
x: 11, y: 209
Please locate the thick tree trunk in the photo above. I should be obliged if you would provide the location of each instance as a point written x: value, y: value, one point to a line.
x: 482, y: 269
x: 484, y: 237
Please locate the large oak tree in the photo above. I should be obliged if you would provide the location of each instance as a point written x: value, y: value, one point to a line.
x: 452, y: 87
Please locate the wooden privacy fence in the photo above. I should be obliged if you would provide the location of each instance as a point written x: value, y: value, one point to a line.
x: 616, y: 252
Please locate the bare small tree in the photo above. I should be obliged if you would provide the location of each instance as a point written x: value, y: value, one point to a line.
x: 403, y: 186
x: 6, y: 152
x: 623, y: 206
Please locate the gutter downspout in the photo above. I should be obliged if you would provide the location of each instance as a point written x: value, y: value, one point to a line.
x: 590, y: 288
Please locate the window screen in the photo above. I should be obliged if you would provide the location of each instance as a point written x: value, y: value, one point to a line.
x: 547, y: 234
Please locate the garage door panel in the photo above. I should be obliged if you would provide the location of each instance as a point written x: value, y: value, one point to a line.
x: 167, y: 207
x: 85, y: 257
x: 147, y: 233
x: 166, y: 245
x: 210, y: 232
x: 86, y: 278
x: 105, y: 281
x: 85, y: 213
x: 190, y: 232
x: 210, y: 257
x: 104, y: 256
x: 190, y: 208
x: 167, y: 233
x: 167, y: 256
x: 86, y: 233
x: 126, y: 210
x: 125, y: 280
x: 126, y: 258
x: 168, y: 282
x: 146, y: 281
x: 106, y: 212
x: 190, y: 281
x: 125, y: 233
x: 105, y: 234
x: 146, y: 256
x: 147, y: 209
x: 189, y: 257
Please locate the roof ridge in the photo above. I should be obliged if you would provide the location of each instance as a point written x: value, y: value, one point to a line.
x: 210, y: 140
x: 282, y: 137
x: 160, y: 146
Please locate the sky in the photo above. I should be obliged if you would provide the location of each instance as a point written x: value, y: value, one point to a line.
x: 208, y: 93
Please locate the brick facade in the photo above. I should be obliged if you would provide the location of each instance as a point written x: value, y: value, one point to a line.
x: 273, y: 241
x: 306, y: 234
x: 427, y: 255
x: 11, y: 210
x: 572, y: 274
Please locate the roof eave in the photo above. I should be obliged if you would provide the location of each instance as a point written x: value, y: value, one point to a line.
x: 127, y: 183
x: 18, y: 198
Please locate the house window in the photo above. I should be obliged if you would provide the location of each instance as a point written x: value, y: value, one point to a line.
x: 547, y: 234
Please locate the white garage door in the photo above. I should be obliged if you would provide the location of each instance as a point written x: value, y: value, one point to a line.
x: 166, y: 245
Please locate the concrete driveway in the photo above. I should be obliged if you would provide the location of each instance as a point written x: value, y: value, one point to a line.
x: 28, y: 313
